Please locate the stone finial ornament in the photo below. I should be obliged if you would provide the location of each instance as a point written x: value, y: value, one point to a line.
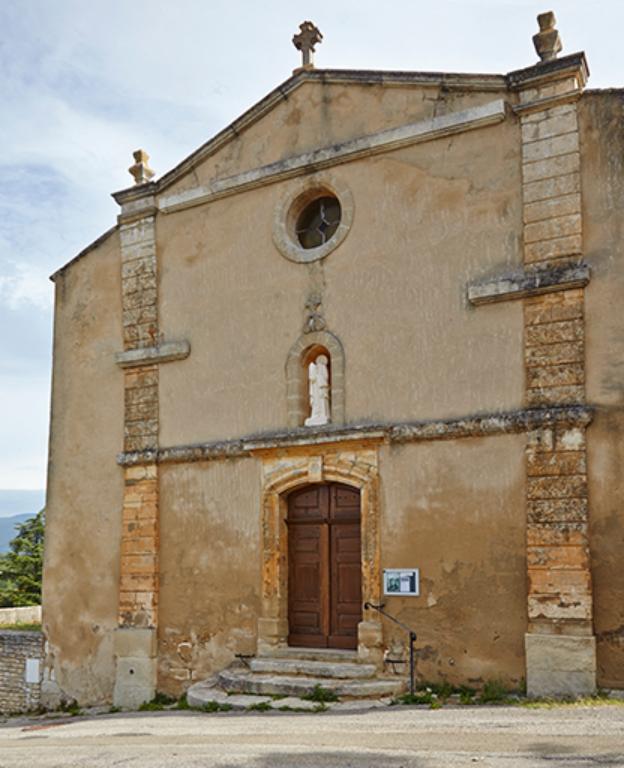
x: 547, y: 41
x: 140, y: 171
x: 309, y: 35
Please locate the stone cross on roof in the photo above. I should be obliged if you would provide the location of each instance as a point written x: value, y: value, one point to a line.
x: 309, y: 35
x: 547, y: 41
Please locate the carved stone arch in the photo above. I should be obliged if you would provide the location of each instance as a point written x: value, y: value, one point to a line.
x: 356, y: 468
x: 297, y: 377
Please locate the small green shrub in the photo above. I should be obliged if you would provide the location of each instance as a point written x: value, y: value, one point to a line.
x: 424, y: 696
x: 158, y: 703
x: 182, y: 703
x: 494, y: 692
x: 466, y: 695
x: 261, y: 706
x: 320, y: 694
x: 114, y: 710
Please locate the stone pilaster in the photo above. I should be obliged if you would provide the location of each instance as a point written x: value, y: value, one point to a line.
x: 560, y: 647
x: 135, y: 643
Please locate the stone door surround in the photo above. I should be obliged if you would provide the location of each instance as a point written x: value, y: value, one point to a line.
x: 282, y: 471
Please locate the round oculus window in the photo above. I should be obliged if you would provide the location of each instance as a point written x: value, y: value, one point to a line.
x: 318, y: 221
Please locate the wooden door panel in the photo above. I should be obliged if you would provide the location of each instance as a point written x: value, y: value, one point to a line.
x: 307, y: 583
x: 346, y: 588
x: 324, y: 566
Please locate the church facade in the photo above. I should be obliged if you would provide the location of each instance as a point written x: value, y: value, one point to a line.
x: 363, y: 347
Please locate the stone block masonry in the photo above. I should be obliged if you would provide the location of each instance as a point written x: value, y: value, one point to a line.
x: 560, y: 647
x: 21, y: 663
x: 135, y: 648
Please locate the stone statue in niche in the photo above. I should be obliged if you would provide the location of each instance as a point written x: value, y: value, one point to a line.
x: 318, y: 382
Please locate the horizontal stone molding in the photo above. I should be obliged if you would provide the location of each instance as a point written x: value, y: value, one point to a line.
x: 335, y: 154
x: 478, y: 425
x: 529, y: 283
x: 163, y: 353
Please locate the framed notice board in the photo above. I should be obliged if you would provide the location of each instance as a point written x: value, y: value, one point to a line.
x: 402, y: 582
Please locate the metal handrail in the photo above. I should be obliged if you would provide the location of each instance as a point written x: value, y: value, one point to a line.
x: 412, y: 637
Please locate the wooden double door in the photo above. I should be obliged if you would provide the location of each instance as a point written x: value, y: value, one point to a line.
x: 324, y: 566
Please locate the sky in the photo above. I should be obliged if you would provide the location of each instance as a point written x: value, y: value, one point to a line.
x: 84, y: 83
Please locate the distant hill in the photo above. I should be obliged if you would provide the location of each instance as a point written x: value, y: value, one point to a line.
x: 7, y: 529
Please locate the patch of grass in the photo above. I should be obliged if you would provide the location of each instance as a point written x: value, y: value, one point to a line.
x: 71, y: 707
x: 320, y: 694
x: 466, y: 695
x: 182, y: 703
x: 424, y: 696
x: 114, y: 710
x: 442, y: 690
x: 215, y: 706
x: 158, y: 703
x: 21, y: 626
x: 261, y: 706
x: 494, y: 692
x: 599, y: 700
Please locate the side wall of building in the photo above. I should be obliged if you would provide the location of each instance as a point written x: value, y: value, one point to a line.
x: 84, y: 499
x: 602, y: 132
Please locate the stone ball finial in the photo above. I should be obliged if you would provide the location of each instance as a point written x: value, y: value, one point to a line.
x: 309, y: 35
x: 140, y: 171
x: 547, y: 41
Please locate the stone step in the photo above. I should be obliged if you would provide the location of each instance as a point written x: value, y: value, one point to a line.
x: 312, y: 668
x: 313, y: 654
x: 237, y: 680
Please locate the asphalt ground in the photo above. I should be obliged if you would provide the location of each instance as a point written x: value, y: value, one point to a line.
x: 394, y: 737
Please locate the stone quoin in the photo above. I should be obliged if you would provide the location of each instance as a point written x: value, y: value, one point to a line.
x: 373, y: 324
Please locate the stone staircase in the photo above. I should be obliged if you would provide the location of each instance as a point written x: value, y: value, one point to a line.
x: 296, y: 672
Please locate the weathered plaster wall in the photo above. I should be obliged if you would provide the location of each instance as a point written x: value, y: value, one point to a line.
x: 210, y: 568
x: 602, y: 156
x: 441, y: 214
x: 83, y: 507
x: 322, y: 114
x: 456, y: 510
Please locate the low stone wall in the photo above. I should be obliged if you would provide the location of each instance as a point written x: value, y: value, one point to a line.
x: 31, y: 614
x: 21, y: 664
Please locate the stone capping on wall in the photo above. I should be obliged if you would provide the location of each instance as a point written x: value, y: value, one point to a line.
x: 478, y: 425
x: 335, y: 154
x: 560, y: 68
x: 532, y: 282
x: 163, y: 353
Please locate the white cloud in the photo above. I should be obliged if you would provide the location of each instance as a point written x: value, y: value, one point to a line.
x: 28, y: 284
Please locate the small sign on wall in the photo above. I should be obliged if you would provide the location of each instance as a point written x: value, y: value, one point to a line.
x: 31, y: 673
x: 403, y: 582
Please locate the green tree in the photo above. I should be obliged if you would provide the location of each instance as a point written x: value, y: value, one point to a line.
x: 21, y: 567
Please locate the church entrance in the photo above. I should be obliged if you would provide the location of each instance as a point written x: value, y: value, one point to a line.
x: 324, y: 566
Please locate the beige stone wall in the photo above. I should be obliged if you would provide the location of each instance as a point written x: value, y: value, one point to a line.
x: 428, y: 219
x: 85, y: 487
x: 210, y: 584
x: 322, y: 114
x: 441, y: 214
x: 455, y: 509
x: 602, y: 164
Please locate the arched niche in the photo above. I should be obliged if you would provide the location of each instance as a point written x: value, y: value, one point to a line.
x: 302, y: 352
